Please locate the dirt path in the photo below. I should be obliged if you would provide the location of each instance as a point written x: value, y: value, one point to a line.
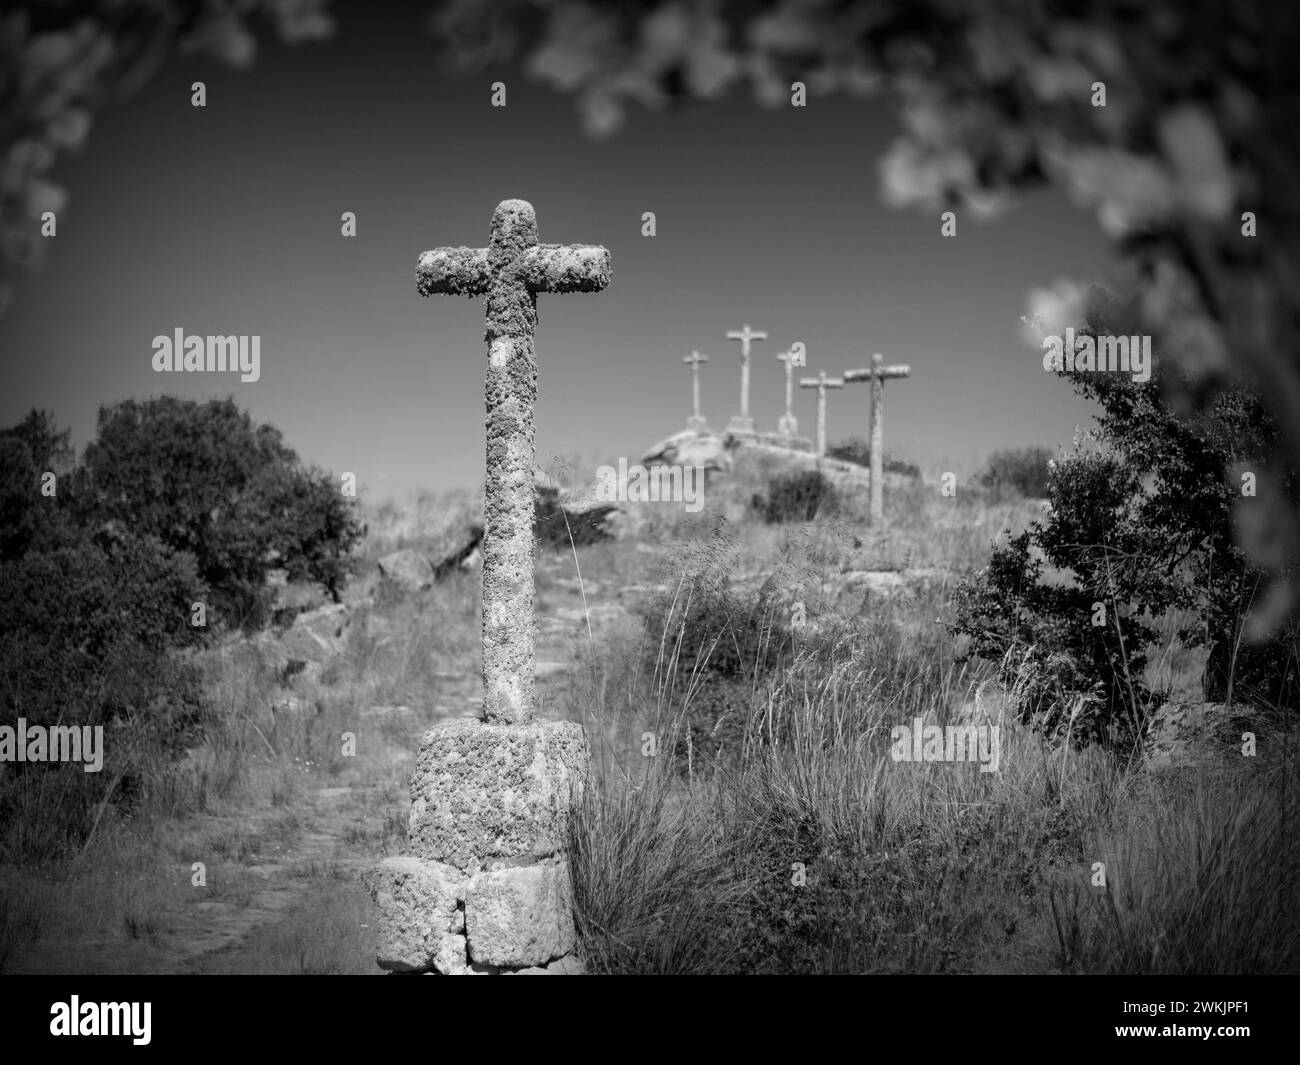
x: 284, y: 890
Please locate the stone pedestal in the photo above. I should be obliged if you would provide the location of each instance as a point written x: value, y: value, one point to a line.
x: 697, y: 424
x: 740, y: 426
x: 486, y: 888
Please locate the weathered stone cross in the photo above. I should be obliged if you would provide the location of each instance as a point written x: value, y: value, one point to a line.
x: 877, y: 375
x: 821, y: 382
x: 696, y: 421
x: 788, y: 425
x: 510, y: 272
x: 743, y: 423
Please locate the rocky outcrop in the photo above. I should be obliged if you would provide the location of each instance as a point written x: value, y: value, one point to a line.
x: 690, y: 448
x: 316, y: 636
x: 406, y: 571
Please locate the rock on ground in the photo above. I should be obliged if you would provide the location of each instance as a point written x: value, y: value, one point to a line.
x: 408, y: 571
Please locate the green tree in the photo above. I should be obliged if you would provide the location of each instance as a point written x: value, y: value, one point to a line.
x: 86, y: 624
x: 1140, y: 524
x: 28, y: 450
x: 205, y: 480
x: 318, y: 527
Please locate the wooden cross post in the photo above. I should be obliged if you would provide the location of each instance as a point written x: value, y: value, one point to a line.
x: 743, y: 423
x: 510, y: 272
x: 821, y: 382
x: 788, y: 426
x: 696, y: 421
x: 877, y: 375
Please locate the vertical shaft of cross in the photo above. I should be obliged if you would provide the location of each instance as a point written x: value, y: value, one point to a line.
x: 694, y: 359
x: 821, y: 382
x: 788, y: 427
x: 877, y: 375
x: 511, y: 393
x: 877, y: 444
x: 788, y: 424
x: 746, y: 336
x: 510, y: 272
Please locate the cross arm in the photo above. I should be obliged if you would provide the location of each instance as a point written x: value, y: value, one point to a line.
x: 867, y: 373
x: 566, y: 267
x: 453, y: 272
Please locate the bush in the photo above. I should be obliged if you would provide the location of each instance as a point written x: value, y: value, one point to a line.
x: 88, y: 631
x: 719, y: 648
x: 203, y: 479
x: 1140, y: 526
x: 1021, y: 471
x: 84, y: 626
x: 29, y: 450
x: 796, y: 497
x: 858, y: 451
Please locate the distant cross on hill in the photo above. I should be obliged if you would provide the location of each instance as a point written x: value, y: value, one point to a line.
x: 821, y: 382
x: 743, y: 423
x: 696, y: 420
x: 877, y: 375
x: 788, y: 426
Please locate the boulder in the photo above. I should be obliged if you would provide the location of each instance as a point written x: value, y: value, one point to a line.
x: 316, y: 635
x: 690, y: 448
x: 519, y: 916
x: 481, y: 792
x: 407, y: 571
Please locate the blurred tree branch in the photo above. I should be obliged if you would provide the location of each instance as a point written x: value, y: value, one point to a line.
x: 994, y: 97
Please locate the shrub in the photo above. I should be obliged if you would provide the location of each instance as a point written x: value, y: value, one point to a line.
x: 1021, y: 471
x: 28, y: 450
x: 799, y: 497
x: 203, y: 479
x: 1140, y: 526
x: 719, y: 647
x: 858, y: 451
x: 88, y: 627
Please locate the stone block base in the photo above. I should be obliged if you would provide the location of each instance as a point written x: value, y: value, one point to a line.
x: 513, y: 918
x: 520, y: 916
x: 483, y: 792
x: 421, y: 915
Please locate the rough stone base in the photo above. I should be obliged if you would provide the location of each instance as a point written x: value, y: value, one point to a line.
x: 421, y: 915
x: 519, y: 916
x: 487, y: 890
x: 489, y: 792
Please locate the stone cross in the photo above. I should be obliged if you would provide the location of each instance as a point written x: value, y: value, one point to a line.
x: 743, y: 423
x: 696, y: 421
x: 821, y: 382
x: 510, y: 272
x: 788, y: 426
x: 877, y: 374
